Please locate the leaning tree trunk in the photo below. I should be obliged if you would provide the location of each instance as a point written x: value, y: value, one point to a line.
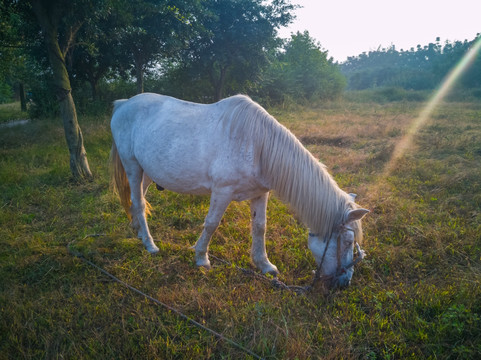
x: 78, y: 157
x: 79, y: 165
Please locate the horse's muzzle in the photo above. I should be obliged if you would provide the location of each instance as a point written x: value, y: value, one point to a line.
x: 342, y: 278
x: 340, y: 282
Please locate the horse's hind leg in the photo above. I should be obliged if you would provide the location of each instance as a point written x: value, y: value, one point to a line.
x: 258, y: 251
x: 146, y: 181
x: 218, y: 205
x: 134, y: 174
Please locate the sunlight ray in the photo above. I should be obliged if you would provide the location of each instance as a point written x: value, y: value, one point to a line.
x: 405, y: 143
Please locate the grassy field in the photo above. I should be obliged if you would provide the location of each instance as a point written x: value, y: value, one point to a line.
x: 417, y: 294
x: 11, y: 112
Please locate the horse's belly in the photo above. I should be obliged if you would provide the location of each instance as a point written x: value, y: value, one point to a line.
x: 240, y: 187
x: 248, y: 194
x: 203, y: 180
x: 177, y: 174
x: 183, y: 186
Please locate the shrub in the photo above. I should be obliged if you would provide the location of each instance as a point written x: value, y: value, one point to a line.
x: 6, y: 93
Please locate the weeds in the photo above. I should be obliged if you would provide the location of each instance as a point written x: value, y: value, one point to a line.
x: 417, y: 294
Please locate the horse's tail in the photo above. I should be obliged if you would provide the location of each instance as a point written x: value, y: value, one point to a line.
x: 118, y: 176
x: 119, y: 180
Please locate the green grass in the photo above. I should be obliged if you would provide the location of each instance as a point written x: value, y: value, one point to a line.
x: 11, y: 111
x: 417, y: 294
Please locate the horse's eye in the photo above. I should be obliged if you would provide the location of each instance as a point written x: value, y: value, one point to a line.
x: 348, y: 242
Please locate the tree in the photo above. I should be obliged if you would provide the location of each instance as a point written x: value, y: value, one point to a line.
x: 303, y: 71
x: 152, y: 30
x: 12, y: 55
x: 97, y: 51
x: 67, y: 16
x: 235, y: 40
x: 309, y: 70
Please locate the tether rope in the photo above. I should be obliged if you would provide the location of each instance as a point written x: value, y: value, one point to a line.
x: 80, y: 256
x: 275, y: 282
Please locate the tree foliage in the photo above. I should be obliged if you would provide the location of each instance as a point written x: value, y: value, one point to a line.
x: 13, y: 71
x: 198, y: 50
x: 232, y: 44
x: 151, y: 30
x: 302, y: 71
x: 415, y: 69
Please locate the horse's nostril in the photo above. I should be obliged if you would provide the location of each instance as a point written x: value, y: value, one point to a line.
x: 342, y: 282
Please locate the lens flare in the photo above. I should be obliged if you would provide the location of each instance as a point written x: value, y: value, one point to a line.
x: 447, y: 84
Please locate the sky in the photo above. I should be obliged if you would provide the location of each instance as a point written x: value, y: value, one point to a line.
x: 349, y: 27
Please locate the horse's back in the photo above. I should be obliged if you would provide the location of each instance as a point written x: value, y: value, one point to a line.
x: 182, y: 146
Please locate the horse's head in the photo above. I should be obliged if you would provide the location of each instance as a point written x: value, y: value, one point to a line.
x: 335, y: 254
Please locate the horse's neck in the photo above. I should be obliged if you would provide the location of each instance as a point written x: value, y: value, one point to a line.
x: 300, y: 180
x: 287, y: 167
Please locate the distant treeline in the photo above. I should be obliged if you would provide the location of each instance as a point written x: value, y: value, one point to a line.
x: 422, y: 68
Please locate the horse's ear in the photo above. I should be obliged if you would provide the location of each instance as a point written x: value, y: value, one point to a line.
x: 356, y: 214
x: 352, y: 196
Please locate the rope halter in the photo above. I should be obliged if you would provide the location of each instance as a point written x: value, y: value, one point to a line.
x: 340, y: 269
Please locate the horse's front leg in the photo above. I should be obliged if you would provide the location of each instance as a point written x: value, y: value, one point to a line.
x: 218, y: 205
x: 258, y: 251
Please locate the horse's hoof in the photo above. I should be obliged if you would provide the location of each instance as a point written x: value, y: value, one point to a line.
x: 272, y: 270
x: 153, y: 249
x: 205, y: 267
x: 203, y: 264
x: 274, y: 273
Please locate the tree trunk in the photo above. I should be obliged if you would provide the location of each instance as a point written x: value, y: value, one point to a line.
x: 79, y: 165
x: 93, y: 86
x: 78, y: 157
x: 23, y: 101
x: 219, y: 85
x: 139, y: 72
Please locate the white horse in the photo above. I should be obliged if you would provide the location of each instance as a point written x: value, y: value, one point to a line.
x: 232, y: 150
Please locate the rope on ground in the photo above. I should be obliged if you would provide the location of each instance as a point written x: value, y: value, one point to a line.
x: 275, y: 282
x: 156, y: 301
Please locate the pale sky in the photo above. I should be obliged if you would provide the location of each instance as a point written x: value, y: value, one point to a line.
x: 349, y: 27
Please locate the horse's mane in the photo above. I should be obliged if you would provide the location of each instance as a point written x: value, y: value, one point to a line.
x: 296, y: 176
